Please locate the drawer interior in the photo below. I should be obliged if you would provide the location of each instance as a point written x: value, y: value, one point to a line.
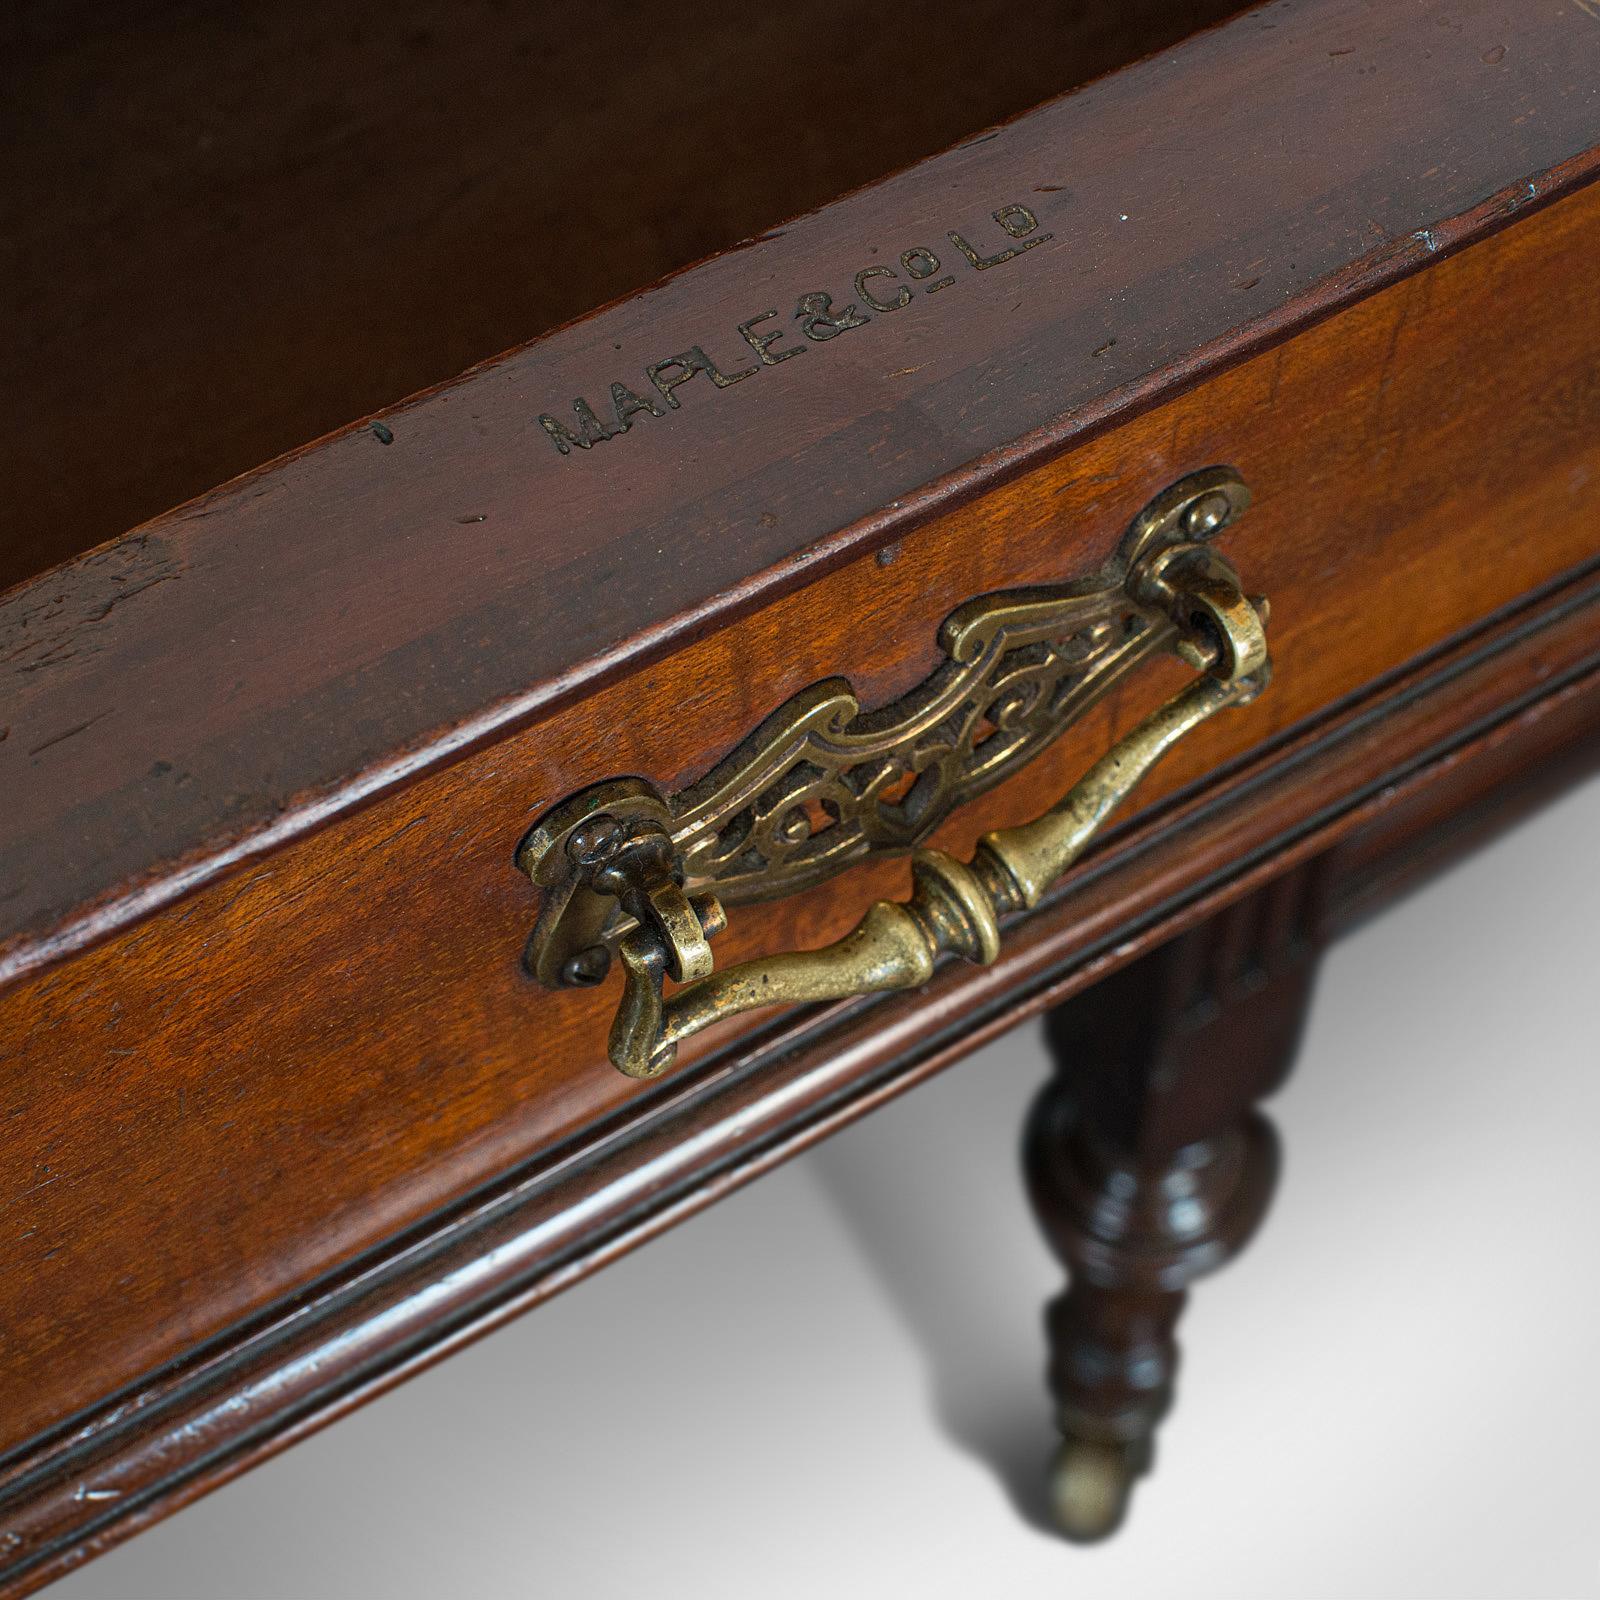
x: 229, y: 229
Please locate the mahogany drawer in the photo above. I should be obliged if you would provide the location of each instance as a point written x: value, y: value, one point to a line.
x: 278, y: 1082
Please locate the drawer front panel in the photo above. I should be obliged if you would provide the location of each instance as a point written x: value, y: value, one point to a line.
x: 288, y: 1066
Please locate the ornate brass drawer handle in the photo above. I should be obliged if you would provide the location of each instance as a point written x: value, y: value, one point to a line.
x: 625, y: 870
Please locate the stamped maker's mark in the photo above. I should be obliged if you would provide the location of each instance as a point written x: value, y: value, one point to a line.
x: 879, y: 289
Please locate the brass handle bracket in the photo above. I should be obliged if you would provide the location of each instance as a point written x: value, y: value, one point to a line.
x: 626, y: 873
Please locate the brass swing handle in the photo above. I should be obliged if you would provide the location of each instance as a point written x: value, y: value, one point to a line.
x: 954, y: 906
x: 614, y: 876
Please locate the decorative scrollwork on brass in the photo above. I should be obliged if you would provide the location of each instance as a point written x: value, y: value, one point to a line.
x: 823, y: 783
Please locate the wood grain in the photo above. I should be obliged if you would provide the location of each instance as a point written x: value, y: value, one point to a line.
x: 289, y: 1118
x: 278, y: 651
x: 296, y: 1063
x: 1469, y: 733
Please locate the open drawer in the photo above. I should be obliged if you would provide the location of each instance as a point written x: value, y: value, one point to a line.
x: 288, y: 1112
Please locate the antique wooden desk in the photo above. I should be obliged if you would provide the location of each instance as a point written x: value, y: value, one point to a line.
x: 1235, y: 418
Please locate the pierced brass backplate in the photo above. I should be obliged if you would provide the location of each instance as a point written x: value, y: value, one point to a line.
x: 821, y: 783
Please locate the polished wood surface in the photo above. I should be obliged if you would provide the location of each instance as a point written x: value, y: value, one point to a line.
x: 373, y: 1051
x: 292, y: 1119
x: 1149, y: 1167
x: 1477, y: 733
x: 304, y: 637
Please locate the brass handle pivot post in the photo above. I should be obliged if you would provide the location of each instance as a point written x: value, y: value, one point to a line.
x: 628, y: 873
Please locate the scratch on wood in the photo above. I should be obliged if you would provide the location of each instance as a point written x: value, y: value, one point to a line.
x: 54, y: 619
x: 244, y: 889
x: 69, y: 733
x: 1386, y: 371
x: 1277, y: 376
x: 389, y: 838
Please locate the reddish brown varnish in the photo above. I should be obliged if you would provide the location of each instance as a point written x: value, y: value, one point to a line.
x: 370, y: 1042
x: 285, y: 643
x: 1398, y: 781
x: 287, y: 1079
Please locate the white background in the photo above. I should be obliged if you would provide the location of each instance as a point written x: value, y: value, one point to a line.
x: 831, y: 1384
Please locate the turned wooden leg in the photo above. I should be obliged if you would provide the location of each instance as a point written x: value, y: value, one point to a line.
x: 1149, y: 1167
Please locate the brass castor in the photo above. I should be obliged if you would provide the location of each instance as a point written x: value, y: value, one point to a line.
x: 1090, y: 1485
